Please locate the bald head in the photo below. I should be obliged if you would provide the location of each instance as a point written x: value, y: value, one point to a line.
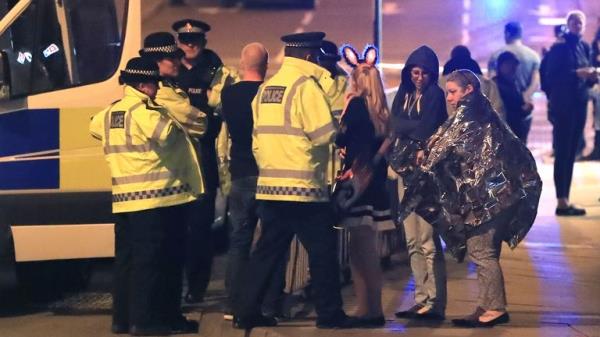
x: 254, y: 59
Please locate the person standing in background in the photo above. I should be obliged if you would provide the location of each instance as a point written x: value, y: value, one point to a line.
x: 595, y: 94
x: 518, y: 112
x: 569, y: 75
x: 528, y: 77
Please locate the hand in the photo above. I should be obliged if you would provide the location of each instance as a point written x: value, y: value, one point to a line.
x: 345, y: 176
x: 527, y: 107
x: 342, y: 153
x: 420, y: 157
x: 586, y: 73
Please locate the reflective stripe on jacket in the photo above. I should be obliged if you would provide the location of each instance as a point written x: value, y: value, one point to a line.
x: 293, y: 128
x: 151, y: 159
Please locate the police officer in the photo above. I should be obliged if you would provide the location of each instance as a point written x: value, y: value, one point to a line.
x: 203, y: 76
x: 161, y: 48
x: 293, y: 129
x: 155, y: 175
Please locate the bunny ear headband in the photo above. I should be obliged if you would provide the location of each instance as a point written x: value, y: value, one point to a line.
x: 370, y: 55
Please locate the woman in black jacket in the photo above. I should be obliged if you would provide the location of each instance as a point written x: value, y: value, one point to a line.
x: 569, y: 75
x: 419, y: 108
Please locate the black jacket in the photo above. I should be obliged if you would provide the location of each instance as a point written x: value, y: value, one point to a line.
x: 563, y: 87
x: 433, y: 105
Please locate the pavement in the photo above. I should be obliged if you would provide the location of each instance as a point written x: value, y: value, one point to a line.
x: 551, y: 277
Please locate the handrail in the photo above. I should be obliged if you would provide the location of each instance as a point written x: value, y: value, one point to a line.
x: 13, y: 14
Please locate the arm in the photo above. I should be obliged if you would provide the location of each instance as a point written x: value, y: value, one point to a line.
x: 97, y: 124
x: 255, y: 103
x: 154, y: 125
x: 534, y: 86
x: 225, y: 76
x: 180, y: 108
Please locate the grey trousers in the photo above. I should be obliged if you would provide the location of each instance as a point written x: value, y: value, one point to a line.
x: 484, y: 244
x: 426, y: 261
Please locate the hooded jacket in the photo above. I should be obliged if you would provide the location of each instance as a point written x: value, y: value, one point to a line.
x: 432, y: 105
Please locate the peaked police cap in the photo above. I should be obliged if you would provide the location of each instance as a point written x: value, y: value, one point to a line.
x: 160, y: 45
x: 304, y: 40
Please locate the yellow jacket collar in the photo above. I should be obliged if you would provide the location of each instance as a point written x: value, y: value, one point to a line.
x: 320, y: 74
x: 306, y: 67
x: 133, y: 92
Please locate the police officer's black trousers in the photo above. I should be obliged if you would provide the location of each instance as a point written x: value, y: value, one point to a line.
x: 149, y: 258
x: 313, y: 224
x: 567, y: 132
x: 199, y: 254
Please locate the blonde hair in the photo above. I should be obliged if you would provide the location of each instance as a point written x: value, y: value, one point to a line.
x: 367, y: 83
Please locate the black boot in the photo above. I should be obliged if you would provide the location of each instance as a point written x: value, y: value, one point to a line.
x: 595, y: 154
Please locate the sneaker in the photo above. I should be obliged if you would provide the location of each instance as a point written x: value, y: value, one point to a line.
x: 410, y: 313
x: 570, y: 211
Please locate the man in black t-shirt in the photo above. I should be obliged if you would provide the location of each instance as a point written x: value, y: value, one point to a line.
x: 237, y: 112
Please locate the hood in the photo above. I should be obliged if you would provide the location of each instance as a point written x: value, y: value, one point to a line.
x: 423, y: 57
x: 459, y: 63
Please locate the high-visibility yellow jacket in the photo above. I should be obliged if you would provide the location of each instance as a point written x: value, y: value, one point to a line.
x: 178, y: 103
x: 225, y: 76
x: 151, y: 158
x: 337, y: 93
x: 293, y: 128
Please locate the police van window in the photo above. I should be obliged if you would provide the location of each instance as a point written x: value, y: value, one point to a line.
x: 57, y: 44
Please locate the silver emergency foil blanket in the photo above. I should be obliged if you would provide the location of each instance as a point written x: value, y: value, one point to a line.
x: 476, y: 171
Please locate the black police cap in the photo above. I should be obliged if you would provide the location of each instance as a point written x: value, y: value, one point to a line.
x: 304, y: 40
x: 190, y: 26
x: 329, y: 51
x: 140, y: 70
x: 160, y: 45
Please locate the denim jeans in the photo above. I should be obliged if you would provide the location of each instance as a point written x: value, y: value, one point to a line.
x: 243, y: 219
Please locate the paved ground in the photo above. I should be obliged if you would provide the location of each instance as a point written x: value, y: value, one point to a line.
x: 551, y: 278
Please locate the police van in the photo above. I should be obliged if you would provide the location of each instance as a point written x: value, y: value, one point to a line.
x: 59, y: 63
